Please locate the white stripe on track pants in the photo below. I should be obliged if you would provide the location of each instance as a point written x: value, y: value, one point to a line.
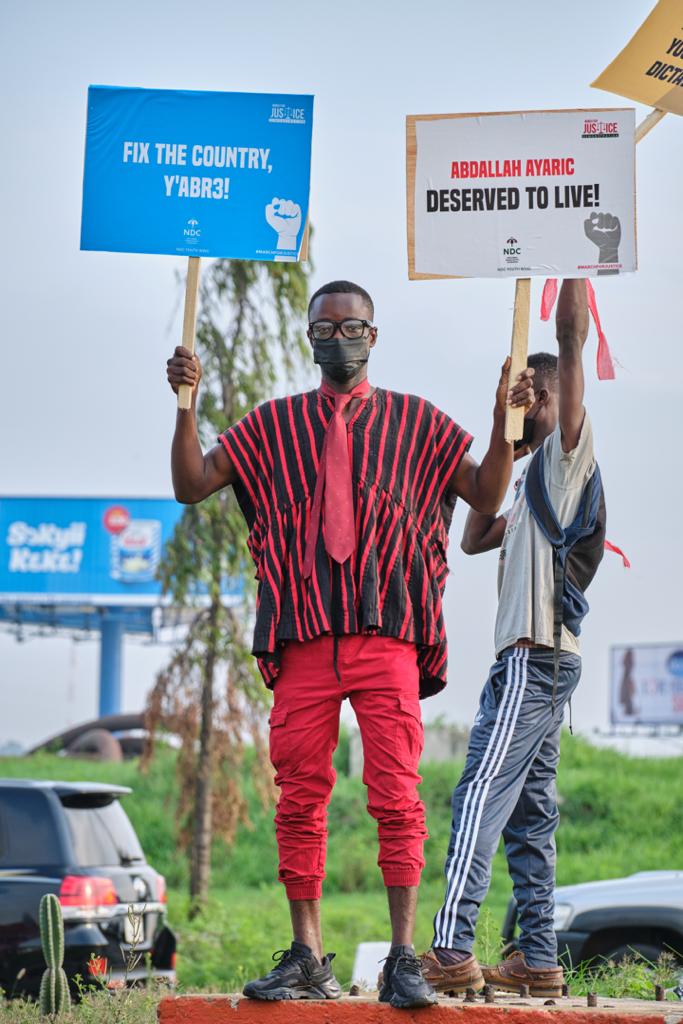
x: 508, y: 787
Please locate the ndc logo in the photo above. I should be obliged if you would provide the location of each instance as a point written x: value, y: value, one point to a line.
x: 511, y: 250
x: 192, y: 230
x: 595, y: 129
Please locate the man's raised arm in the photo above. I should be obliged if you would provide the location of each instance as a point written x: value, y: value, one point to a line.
x: 195, y: 475
x: 572, y: 330
x: 482, y: 533
x: 483, y: 486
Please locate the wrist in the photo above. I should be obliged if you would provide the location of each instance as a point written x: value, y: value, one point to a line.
x: 188, y: 416
x: 608, y: 255
x: 286, y: 242
x: 498, y: 441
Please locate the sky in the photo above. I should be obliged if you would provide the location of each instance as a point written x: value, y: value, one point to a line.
x: 85, y: 406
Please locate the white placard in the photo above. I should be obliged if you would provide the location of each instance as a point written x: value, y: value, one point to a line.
x: 539, y: 193
x: 646, y: 684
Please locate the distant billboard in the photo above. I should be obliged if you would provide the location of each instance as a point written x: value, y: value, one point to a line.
x: 90, y: 551
x: 646, y: 684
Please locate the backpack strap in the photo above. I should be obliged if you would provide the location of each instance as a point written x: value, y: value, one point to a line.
x: 558, y: 609
x: 587, y: 514
x: 538, y: 500
x: 561, y: 539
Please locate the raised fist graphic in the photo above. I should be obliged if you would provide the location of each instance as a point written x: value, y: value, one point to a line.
x: 605, y: 231
x: 284, y: 216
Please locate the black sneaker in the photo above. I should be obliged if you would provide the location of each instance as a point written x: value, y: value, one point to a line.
x: 297, y: 975
x: 403, y: 984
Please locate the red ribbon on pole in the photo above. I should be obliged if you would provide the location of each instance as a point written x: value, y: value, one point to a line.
x: 617, y: 551
x: 548, y: 297
x: 605, y: 365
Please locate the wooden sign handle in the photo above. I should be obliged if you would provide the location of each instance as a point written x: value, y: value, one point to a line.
x: 648, y: 123
x: 189, y: 323
x: 514, y: 418
x: 303, y: 251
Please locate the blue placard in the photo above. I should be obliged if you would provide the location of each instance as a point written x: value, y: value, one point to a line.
x: 196, y: 173
x: 94, y: 551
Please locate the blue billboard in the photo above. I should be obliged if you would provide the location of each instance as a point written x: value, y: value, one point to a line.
x: 94, y: 551
x: 196, y: 173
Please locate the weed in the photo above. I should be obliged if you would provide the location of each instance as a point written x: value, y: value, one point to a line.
x: 137, y: 1006
x: 634, y: 977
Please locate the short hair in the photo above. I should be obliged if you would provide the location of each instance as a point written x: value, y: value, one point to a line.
x: 345, y: 288
x: 545, y: 365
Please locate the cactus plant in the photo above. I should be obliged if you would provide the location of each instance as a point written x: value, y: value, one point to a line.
x: 54, y: 995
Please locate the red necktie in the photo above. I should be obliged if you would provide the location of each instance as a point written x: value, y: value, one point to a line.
x: 334, y: 479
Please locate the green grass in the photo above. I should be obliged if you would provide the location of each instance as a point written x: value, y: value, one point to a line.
x: 135, y: 1006
x: 634, y: 978
x: 619, y: 815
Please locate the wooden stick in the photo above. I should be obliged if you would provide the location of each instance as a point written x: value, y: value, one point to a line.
x: 648, y: 123
x: 303, y: 251
x: 514, y: 418
x: 189, y: 323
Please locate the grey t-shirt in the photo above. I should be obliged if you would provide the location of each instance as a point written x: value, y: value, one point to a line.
x: 525, y: 568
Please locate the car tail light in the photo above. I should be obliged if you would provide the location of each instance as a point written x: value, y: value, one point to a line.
x: 174, y: 960
x: 161, y: 889
x: 87, y: 891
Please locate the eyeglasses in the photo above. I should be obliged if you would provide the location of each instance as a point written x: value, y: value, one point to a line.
x: 323, y: 330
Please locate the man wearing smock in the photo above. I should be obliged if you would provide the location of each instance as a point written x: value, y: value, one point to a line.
x: 348, y: 492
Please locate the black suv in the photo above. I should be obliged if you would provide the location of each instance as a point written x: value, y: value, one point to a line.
x: 74, y: 839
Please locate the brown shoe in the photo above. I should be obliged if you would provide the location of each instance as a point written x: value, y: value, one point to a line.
x: 451, y: 977
x: 543, y: 982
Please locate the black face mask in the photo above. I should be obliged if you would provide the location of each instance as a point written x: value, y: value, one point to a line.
x: 527, y: 433
x: 341, y: 358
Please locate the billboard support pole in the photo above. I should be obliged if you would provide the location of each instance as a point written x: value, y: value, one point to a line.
x: 189, y: 322
x: 111, y: 661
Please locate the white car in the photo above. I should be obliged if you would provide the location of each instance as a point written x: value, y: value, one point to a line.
x: 642, y: 913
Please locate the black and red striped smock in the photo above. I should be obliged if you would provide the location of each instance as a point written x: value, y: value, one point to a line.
x: 403, y: 453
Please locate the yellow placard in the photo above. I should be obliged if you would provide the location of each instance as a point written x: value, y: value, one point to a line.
x: 650, y: 67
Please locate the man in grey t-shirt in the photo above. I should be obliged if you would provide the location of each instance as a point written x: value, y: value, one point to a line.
x: 525, y: 567
x: 508, y: 785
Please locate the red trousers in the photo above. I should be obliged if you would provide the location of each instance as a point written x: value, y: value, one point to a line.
x: 380, y: 677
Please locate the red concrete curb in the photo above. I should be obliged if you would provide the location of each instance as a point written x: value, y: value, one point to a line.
x: 235, y: 1010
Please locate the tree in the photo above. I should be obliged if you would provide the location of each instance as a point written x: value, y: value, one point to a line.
x: 250, y: 334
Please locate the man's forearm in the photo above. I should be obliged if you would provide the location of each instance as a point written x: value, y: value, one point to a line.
x: 493, y: 475
x: 482, y: 533
x: 571, y: 319
x: 483, y: 487
x: 572, y: 330
x: 187, y: 458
